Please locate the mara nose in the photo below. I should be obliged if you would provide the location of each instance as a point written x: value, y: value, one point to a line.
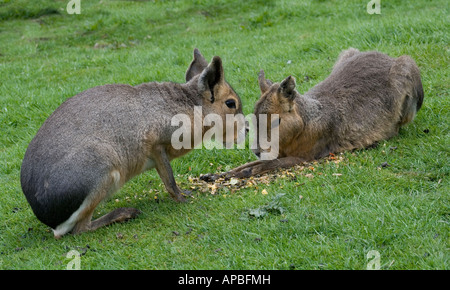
x: 258, y: 154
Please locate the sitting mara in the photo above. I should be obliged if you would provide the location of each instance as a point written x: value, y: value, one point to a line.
x: 366, y: 99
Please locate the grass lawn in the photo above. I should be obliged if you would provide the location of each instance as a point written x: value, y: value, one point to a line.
x: 332, y: 214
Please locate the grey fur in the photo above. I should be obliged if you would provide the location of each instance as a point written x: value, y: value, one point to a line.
x: 366, y: 99
x: 101, y: 138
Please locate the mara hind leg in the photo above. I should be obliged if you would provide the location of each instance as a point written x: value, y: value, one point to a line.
x: 81, y: 220
x: 405, y: 79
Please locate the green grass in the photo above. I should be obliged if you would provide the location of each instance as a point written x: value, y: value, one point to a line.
x: 401, y: 211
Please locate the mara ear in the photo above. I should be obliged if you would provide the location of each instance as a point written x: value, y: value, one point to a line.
x: 264, y: 84
x: 211, y: 76
x: 197, y: 65
x: 287, y: 88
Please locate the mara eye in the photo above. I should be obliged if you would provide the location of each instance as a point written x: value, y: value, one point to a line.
x: 230, y: 104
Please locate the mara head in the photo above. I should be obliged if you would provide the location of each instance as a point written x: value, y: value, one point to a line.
x: 220, y: 101
x: 276, y: 114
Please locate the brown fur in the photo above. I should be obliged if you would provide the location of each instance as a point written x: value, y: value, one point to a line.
x: 101, y: 138
x: 366, y: 98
